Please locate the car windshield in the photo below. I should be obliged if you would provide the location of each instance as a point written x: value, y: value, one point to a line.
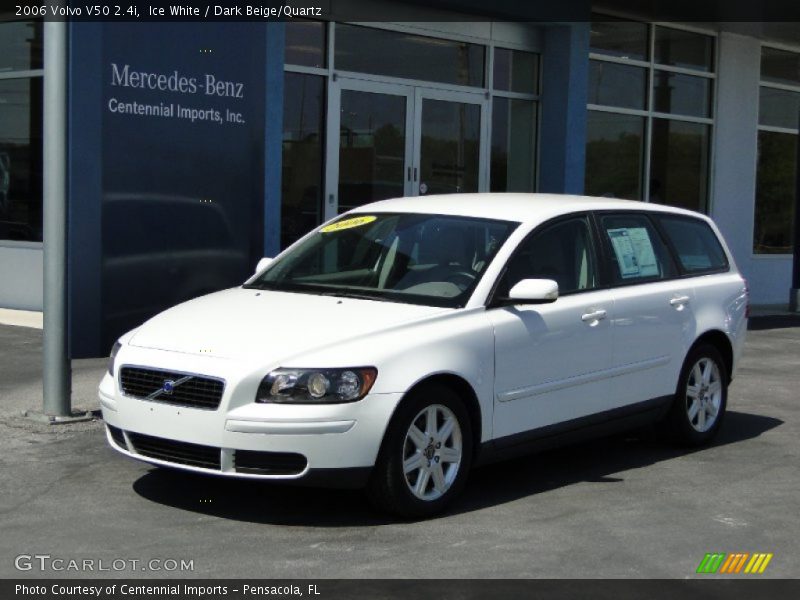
x: 426, y: 259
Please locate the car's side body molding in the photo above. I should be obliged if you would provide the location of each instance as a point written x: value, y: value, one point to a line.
x: 576, y: 430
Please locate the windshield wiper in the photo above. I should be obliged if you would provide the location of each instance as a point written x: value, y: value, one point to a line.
x: 345, y: 294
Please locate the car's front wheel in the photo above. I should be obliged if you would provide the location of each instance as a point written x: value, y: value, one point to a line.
x: 701, y: 398
x: 425, y: 456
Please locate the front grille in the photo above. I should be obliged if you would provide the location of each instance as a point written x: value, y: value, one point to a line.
x: 196, y: 391
x: 269, y: 463
x: 117, y: 436
x: 173, y: 451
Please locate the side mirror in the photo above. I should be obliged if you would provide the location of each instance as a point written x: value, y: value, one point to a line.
x: 533, y: 291
x: 263, y: 264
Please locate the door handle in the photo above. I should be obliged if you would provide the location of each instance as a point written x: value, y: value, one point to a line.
x: 593, y: 316
x: 679, y: 301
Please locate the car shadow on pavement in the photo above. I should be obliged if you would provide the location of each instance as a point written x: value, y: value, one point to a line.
x: 492, y: 485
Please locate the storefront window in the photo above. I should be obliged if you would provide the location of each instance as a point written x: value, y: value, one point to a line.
x: 685, y: 49
x: 513, y: 145
x: 775, y: 195
x: 779, y: 108
x: 614, y: 151
x: 612, y: 84
x: 305, y: 44
x: 301, y: 179
x: 664, y: 96
x: 778, y: 138
x: 620, y: 39
x: 408, y: 135
x: 398, y: 54
x: 516, y: 71
x: 679, y: 163
x: 680, y: 94
x: 21, y: 131
x: 780, y: 66
x: 515, y: 82
x: 20, y: 46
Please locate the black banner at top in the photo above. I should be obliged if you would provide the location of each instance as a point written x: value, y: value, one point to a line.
x: 764, y: 11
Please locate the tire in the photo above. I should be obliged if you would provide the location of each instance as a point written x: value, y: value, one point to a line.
x: 419, y: 473
x: 700, y: 400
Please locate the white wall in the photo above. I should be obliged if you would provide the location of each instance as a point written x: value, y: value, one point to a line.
x: 734, y: 167
x: 21, y: 276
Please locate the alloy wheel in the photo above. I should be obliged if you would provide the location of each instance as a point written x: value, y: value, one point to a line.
x: 703, y: 394
x: 432, y: 452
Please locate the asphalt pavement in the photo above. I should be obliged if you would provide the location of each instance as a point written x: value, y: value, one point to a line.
x: 627, y: 506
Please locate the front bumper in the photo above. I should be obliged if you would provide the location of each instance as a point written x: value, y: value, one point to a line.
x: 337, y: 443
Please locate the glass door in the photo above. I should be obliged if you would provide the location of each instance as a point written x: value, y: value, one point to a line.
x: 450, y: 142
x: 370, y: 154
x: 390, y: 140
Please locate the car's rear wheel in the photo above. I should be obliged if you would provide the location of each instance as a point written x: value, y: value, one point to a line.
x: 425, y: 456
x: 701, y: 398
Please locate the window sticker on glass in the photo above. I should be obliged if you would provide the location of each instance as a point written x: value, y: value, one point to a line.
x: 348, y: 224
x: 634, y: 252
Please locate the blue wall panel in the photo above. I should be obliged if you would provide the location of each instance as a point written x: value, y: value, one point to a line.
x: 171, y: 126
x: 565, y: 73
x: 85, y: 188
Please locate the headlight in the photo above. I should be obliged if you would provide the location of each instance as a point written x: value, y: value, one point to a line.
x: 316, y: 386
x: 114, y: 349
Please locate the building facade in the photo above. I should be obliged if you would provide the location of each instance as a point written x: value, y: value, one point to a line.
x: 194, y: 149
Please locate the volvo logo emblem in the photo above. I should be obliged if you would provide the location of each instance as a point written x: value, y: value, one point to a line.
x: 168, y: 387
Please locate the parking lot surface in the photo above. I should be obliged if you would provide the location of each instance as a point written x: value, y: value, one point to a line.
x: 627, y: 506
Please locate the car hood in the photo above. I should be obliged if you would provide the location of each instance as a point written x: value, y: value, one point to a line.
x: 248, y: 324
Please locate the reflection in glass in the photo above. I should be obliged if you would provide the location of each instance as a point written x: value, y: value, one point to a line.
x: 513, y: 145
x: 681, y: 94
x: 623, y: 39
x: 779, y: 108
x: 21, y: 159
x: 450, y: 150
x: 516, y: 71
x: 301, y: 179
x: 305, y: 43
x: 775, y: 193
x: 611, y: 84
x: 372, y: 142
x: 679, y: 164
x: 679, y: 48
x: 614, y: 150
x: 20, y: 46
x: 398, y: 54
x: 780, y: 66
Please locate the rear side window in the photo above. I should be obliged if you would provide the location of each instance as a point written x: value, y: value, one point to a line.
x: 637, y: 251
x: 695, y: 243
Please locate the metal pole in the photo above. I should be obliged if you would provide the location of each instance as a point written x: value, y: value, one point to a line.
x: 794, y: 293
x: 56, y: 365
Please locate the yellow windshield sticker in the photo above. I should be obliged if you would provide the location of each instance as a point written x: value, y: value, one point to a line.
x: 348, y: 223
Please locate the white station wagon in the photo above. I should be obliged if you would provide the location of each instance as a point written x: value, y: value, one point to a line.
x: 407, y: 340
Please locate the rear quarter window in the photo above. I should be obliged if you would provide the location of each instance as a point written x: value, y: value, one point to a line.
x: 695, y: 243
